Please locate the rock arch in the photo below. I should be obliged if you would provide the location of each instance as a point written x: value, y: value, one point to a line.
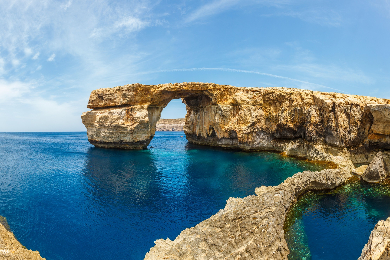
x: 304, y: 123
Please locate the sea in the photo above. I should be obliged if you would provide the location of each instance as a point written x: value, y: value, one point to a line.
x: 70, y: 200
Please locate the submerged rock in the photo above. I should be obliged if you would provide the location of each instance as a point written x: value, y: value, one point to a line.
x: 376, y: 171
x: 378, y: 245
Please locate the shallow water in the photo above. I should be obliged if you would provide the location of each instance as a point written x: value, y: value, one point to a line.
x: 69, y: 200
x: 336, y: 224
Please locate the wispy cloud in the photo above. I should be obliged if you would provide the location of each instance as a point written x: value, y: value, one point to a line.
x: 219, y: 6
x: 36, y: 56
x: 215, y: 7
x: 67, y: 5
x: 283, y: 8
x: 52, y: 57
x: 9, y: 90
x: 306, y: 83
x: 123, y: 26
x: 328, y: 18
x: 328, y: 72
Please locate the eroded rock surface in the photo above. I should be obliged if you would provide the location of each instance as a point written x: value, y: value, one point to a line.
x: 378, y: 246
x: 10, y: 248
x: 376, y: 171
x: 346, y: 130
x: 248, y: 228
x: 310, y: 124
x: 170, y: 124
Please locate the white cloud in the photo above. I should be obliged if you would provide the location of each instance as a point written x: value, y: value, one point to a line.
x: 28, y: 51
x: 52, y: 57
x: 36, y: 56
x: 131, y: 24
x: 219, y: 6
x: 122, y: 26
x: 215, y: 7
x: 15, y: 62
x: 11, y: 90
x: 67, y: 5
x: 319, y: 16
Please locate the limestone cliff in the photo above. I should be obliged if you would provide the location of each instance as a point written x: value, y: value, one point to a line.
x: 10, y: 248
x: 378, y: 245
x: 248, y: 228
x: 170, y: 124
x: 347, y: 130
x: 304, y: 123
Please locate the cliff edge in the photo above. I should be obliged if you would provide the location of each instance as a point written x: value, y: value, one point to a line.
x: 303, y: 123
x: 346, y: 130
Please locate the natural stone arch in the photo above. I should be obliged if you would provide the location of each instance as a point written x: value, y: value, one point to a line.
x: 309, y: 124
x: 195, y: 103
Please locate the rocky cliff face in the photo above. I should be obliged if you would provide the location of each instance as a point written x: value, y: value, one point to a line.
x: 248, y: 228
x: 303, y: 123
x: 170, y: 124
x: 343, y: 129
x: 10, y: 248
x: 378, y: 245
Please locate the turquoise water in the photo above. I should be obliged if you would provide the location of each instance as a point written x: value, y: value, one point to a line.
x: 69, y: 200
x: 336, y: 224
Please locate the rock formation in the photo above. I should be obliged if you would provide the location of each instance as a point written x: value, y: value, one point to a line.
x: 346, y: 130
x: 248, y: 228
x: 310, y: 124
x: 376, y: 171
x: 170, y: 124
x: 378, y: 246
x: 10, y: 248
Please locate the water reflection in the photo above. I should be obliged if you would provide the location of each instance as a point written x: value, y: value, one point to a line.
x: 115, y: 176
x: 70, y: 200
x: 336, y: 224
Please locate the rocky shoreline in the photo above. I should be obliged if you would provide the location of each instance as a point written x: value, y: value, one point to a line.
x: 248, y: 228
x: 348, y: 131
x: 10, y: 247
x: 345, y: 130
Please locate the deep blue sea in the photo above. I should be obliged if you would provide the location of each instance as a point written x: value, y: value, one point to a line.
x: 70, y: 200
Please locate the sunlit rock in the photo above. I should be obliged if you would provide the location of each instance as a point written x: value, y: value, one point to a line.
x: 320, y: 126
x: 248, y: 228
x: 378, y: 245
x: 376, y: 170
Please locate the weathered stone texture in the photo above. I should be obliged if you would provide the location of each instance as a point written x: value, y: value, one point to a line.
x: 248, y: 228
x: 376, y: 171
x: 344, y: 129
x: 170, y: 124
x: 10, y: 248
x: 294, y: 121
x: 378, y: 245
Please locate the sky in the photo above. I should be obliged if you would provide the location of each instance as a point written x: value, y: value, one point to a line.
x: 54, y: 53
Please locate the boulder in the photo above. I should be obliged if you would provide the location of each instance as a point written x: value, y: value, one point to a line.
x: 376, y: 171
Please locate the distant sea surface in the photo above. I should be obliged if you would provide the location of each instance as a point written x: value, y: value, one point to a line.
x: 70, y: 200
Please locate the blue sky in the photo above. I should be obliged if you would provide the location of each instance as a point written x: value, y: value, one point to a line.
x: 54, y: 53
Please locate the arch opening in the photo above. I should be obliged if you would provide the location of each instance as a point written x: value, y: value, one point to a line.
x: 178, y: 112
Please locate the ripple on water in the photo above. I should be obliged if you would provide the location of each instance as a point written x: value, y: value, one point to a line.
x: 336, y: 224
